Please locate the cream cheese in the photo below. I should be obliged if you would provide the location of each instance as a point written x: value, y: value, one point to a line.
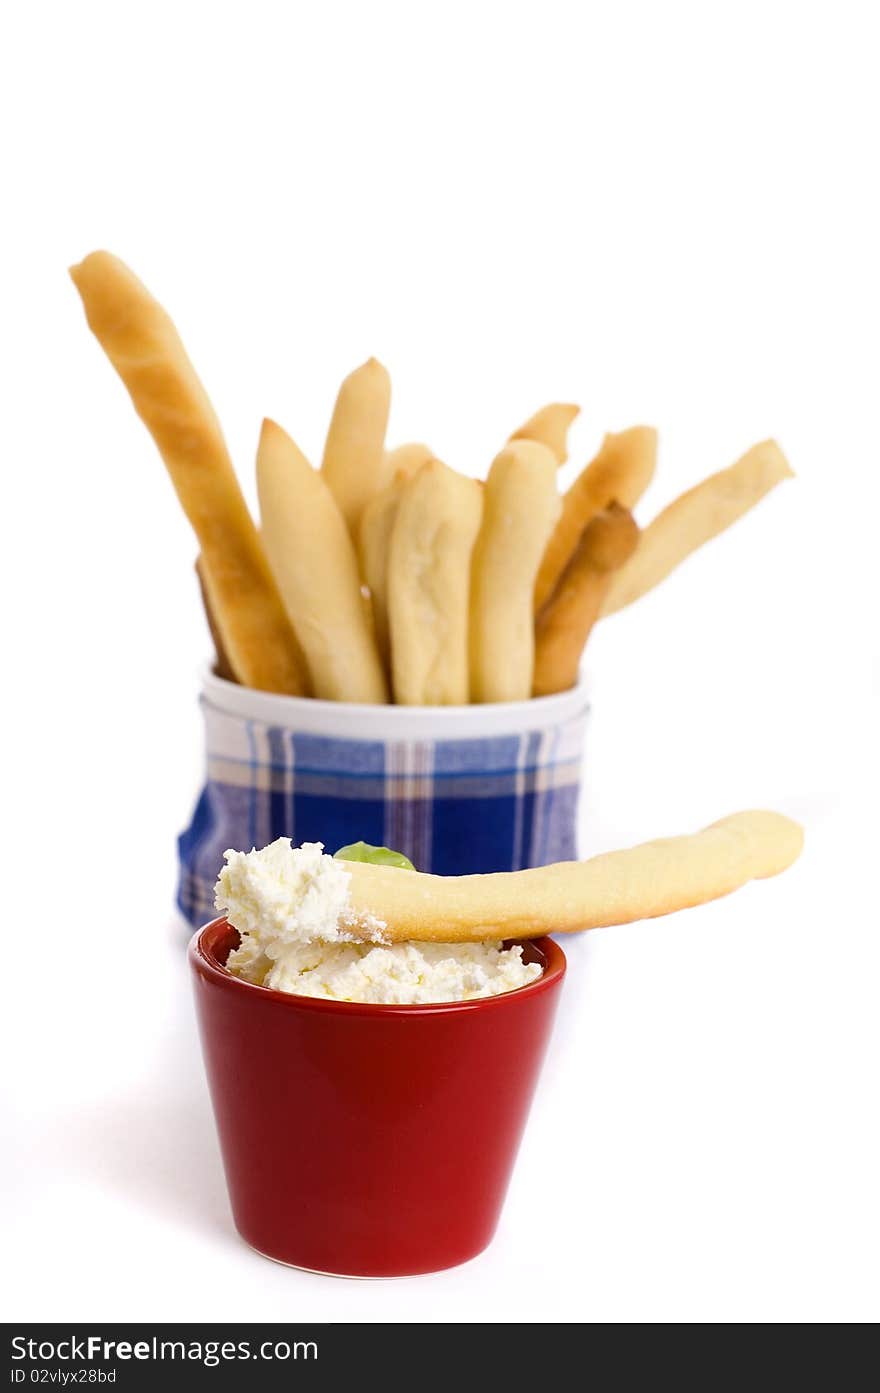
x: 290, y: 905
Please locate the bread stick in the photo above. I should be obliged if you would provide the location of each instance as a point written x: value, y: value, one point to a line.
x: 620, y: 473
x: 374, y: 537
x: 550, y: 427
x: 374, y: 542
x: 429, y: 563
x: 222, y: 665
x: 521, y: 504
x: 404, y: 460
x: 563, y: 625
x: 144, y: 347
x: 314, y: 561
x: 618, y: 887
x: 354, y: 464
x: 694, y: 518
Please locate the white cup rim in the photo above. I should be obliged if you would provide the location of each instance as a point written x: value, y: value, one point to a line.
x: 359, y: 721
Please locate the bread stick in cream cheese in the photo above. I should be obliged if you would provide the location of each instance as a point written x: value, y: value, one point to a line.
x: 144, y: 347
x: 550, y: 427
x: 355, y: 464
x: 618, y: 887
x: 521, y: 504
x: 314, y: 560
x: 694, y: 518
x: 429, y: 567
x: 620, y: 473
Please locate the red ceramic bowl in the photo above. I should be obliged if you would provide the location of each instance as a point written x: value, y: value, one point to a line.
x: 366, y: 1140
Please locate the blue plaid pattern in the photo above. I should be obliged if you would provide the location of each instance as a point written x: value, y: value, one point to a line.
x: 452, y: 806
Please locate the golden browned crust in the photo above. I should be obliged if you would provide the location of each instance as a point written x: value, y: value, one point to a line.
x: 564, y: 624
x: 222, y: 665
x: 144, y: 347
x: 620, y: 473
x: 694, y: 518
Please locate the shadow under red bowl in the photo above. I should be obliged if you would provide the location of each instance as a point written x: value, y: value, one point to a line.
x: 368, y: 1140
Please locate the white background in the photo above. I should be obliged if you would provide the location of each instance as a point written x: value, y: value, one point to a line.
x: 665, y: 212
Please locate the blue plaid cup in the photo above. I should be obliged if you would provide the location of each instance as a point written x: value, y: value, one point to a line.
x: 456, y: 789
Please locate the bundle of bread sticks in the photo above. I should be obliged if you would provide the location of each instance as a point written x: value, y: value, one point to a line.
x: 386, y: 575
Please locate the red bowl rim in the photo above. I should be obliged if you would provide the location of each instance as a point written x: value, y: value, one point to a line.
x: 204, y: 962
